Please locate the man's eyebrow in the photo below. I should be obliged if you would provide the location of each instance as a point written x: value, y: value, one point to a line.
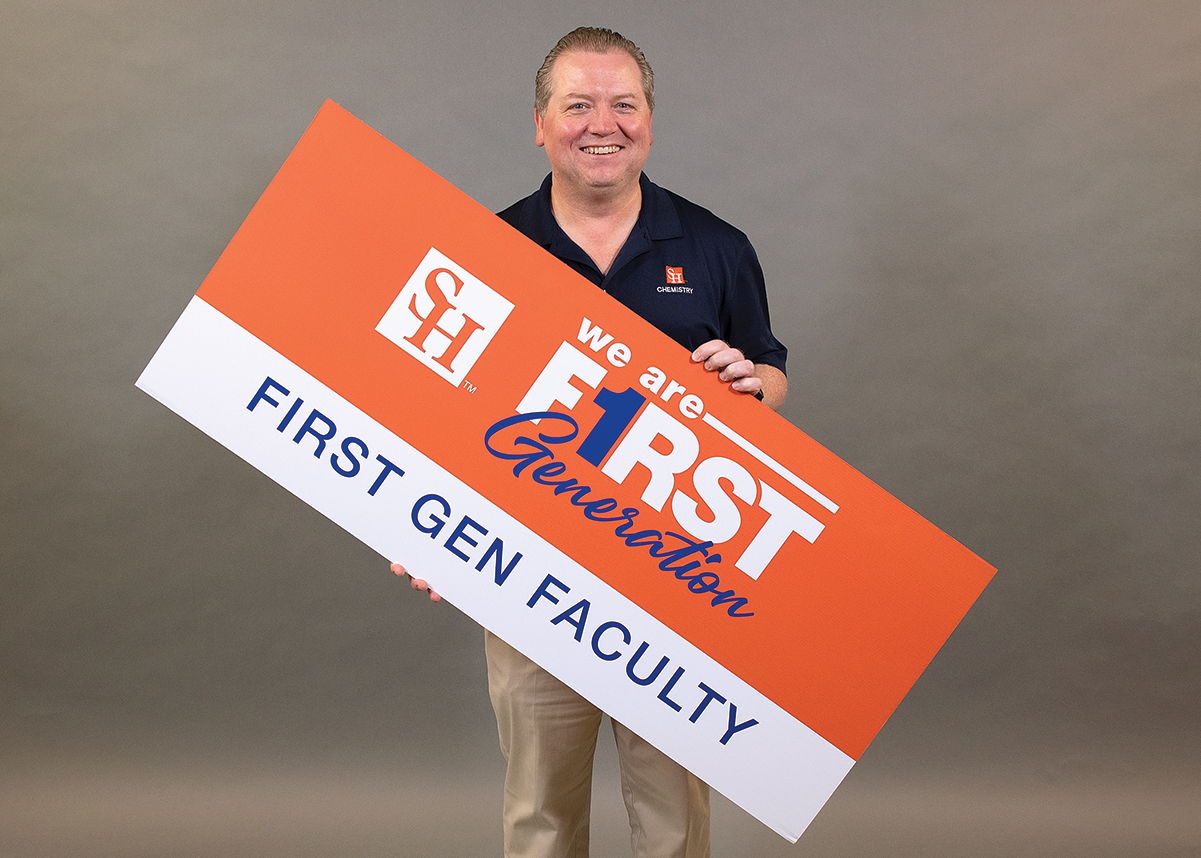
x: 584, y: 96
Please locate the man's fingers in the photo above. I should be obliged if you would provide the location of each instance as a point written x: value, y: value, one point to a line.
x: 422, y: 584
x: 718, y: 356
x: 747, y: 384
x: 730, y: 364
x: 415, y: 583
x: 704, y: 352
x: 741, y: 368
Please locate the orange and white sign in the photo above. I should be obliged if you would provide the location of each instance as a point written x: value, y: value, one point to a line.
x: 457, y: 398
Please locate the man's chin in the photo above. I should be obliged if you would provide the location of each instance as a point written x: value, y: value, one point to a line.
x: 612, y: 178
x: 607, y: 182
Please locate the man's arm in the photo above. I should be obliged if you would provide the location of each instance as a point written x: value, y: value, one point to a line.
x: 742, y: 375
x: 774, y: 385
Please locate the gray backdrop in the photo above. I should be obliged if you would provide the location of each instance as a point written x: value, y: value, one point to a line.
x: 980, y: 225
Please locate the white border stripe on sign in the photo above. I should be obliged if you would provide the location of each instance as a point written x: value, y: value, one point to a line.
x: 209, y: 369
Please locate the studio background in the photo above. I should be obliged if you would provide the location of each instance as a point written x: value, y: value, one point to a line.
x: 981, y: 228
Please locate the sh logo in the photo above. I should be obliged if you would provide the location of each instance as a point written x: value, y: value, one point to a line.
x: 444, y: 317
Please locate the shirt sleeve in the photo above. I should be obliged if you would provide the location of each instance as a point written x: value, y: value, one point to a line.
x: 745, y: 316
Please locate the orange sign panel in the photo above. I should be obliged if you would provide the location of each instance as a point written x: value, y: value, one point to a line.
x: 461, y: 400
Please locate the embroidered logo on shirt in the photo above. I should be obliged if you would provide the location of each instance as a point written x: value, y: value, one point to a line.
x: 676, y: 281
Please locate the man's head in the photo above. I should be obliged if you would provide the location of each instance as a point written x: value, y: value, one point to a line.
x: 595, y: 125
x: 594, y: 40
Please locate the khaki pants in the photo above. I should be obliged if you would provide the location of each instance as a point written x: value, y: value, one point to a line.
x: 548, y: 737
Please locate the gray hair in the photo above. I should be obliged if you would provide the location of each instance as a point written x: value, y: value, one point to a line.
x: 596, y: 40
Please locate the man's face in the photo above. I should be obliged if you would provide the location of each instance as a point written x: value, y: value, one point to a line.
x: 597, y: 128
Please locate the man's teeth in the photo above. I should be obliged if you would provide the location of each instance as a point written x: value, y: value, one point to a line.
x: 601, y: 150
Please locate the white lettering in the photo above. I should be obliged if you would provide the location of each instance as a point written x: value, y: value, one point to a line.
x: 707, y: 480
x: 593, y: 337
x: 691, y: 406
x: 618, y: 354
x: 553, y: 384
x: 673, y: 387
x: 637, y: 449
x: 784, y: 519
x: 653, y: 379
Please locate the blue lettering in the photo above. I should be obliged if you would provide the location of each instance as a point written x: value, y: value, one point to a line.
x: 541, y: 473
x: 541, y: 451
x: 710, y: 695
x: 600, y: 630
x: 355, y: 464
x: 663, y: 692
x: 388, y: 468
x: 307, y: 429
x: 670, y: 558
x: 581, y: 607
x: 283, y: 424
x: 577, y: 615
x: 460, y: 535
x: 433, y: 525
x: 727, y: 597
x: 620, y: 410
x: 573, y: 487
x: 262, y: 393
x: 495, y: 553
x: 651, y: 538
x: 543, y: 591
x: 681, y: 561
x: 703, y: 582
x: 734, y: 727
x: 593, y: 509
x: 654, y: 673
x: 352, y: 453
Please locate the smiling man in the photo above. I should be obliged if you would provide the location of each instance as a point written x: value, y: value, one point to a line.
x: 697, y: 279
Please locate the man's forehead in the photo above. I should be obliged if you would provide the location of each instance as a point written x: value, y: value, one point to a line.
x: 584, y: 59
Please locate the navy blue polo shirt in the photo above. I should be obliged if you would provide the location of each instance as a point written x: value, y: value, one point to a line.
x: 690, y: 274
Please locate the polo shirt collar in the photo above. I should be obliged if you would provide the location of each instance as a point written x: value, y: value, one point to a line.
x: 657, y: 221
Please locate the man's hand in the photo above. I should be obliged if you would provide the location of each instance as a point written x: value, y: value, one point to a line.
x: 416, y: 583
x: 743, y: 376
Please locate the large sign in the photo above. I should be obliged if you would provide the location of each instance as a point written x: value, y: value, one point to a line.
x: 414, y: 368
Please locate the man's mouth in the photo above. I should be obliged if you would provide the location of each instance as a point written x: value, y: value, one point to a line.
x: 601, y: 150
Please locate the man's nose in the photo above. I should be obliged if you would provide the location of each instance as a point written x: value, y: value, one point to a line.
x: 604, y: 120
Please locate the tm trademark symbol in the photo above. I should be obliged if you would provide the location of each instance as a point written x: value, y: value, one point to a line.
x: 468, y: 386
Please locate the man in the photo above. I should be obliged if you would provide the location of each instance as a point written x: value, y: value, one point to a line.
x: 695, y: 278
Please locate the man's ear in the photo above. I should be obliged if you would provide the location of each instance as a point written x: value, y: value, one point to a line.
x: 538, y: 139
